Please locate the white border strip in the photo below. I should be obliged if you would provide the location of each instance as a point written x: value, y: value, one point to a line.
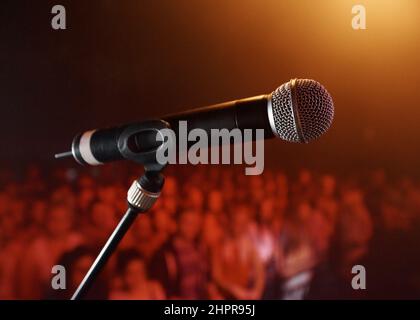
x: 85, y: 149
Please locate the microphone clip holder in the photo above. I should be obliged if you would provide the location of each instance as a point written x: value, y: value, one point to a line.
x: 139, y: 143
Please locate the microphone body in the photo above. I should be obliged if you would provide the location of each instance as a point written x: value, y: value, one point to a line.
x: 95, y: 147
x: 248, y: 113
x: 300, y: 110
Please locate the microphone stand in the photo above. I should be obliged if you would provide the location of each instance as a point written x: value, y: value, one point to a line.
x: 140, y: 198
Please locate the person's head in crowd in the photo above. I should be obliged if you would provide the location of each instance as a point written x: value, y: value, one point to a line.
x: 270, y: 185
x: 303, y: 211
x: 60, y: 220
x: 189, y: 225
x: 304, y: 177
x: 135, y: 282
x: 213, y: 232
x: 282, y: 202
x: 195, y: 199
x: 82, y: 260
x: 214, y: 176
x: 107, y: 194
x: 33, y: 183
x: 303, y: 188
x: 240, y: 220
x: 38, y: 212
x: 64, y: 195
x: 171, y: 187
x: 282, y: 182
x: 18, y: 209
x: 77, y: 263
x: 163, y: 222
x: 267, y: 211
x: 352, y: 197
x: 228, y: 190
x: 143, y: 228
x: 328, y: 207
x: 170, y: 204
x: 85, y: 198
x: 103, y: 216
x: 255, y: 182
x: 11, y: 220
x: 133, y: 268
x: 240, y: 195
x: 85, y: 182
x: 256, y: 190
x: 215, y: 202
x: 328, y: 185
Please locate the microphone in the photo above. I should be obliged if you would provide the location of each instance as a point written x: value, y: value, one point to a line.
x: 300, y: 111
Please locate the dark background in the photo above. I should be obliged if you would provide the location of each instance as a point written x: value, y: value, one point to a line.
x: 121, y: 61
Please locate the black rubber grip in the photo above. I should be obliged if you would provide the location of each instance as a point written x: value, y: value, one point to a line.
x: 104, y: 144
x: 250, y: 113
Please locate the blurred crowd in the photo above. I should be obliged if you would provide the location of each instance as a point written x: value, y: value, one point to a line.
x: 213, y: 234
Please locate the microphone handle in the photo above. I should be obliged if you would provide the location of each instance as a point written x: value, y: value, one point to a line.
x: 99, y: 146
x: 248, y: 113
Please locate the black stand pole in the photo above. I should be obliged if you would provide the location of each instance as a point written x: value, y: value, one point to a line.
x: 106, y: 252
x: 140, y: 197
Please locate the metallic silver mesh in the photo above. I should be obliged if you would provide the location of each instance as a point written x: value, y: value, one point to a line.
x: 314, y: 107
x: 284, y: 121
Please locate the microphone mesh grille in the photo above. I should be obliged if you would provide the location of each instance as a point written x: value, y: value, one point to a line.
x: 314, y: 110
x: 282, y: 108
